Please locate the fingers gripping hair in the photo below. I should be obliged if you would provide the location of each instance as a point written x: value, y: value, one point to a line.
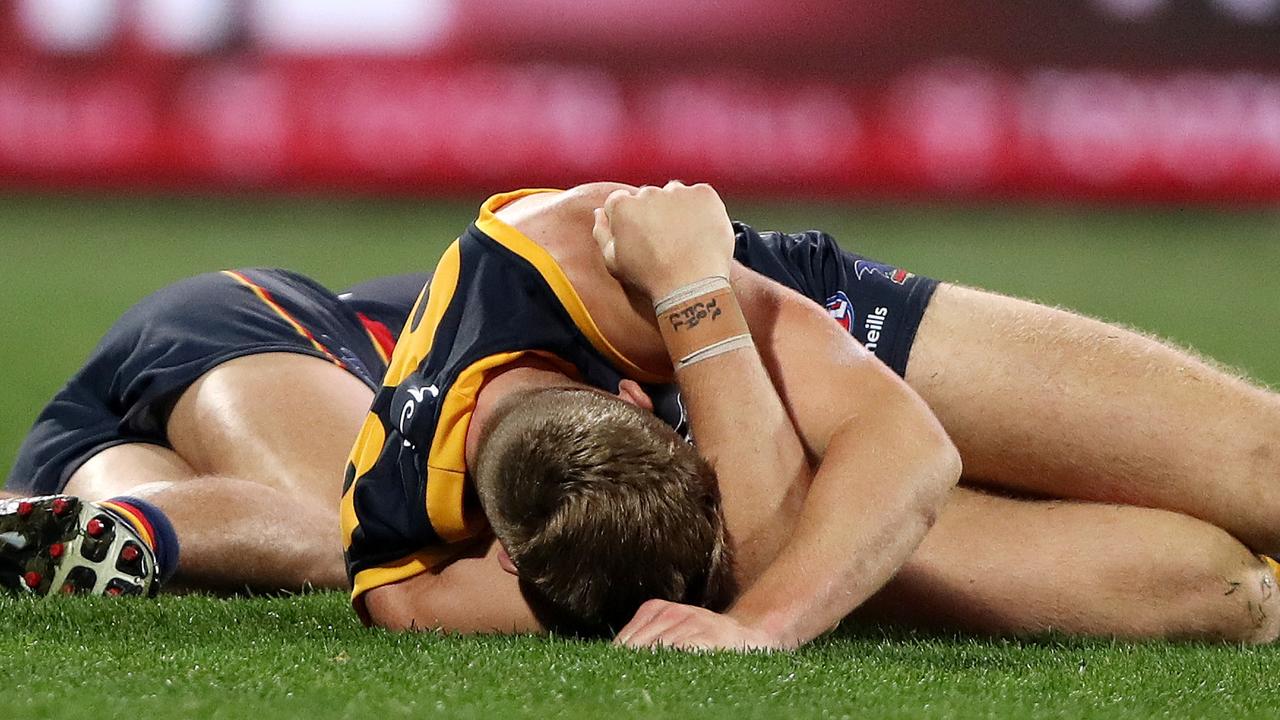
x: 601, y: 507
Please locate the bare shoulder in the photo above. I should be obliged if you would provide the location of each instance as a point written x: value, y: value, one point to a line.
x: 534, y: 213
x: 778, y: 314
x: 594, y: 194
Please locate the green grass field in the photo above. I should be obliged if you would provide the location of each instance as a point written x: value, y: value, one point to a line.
x: 69, y: 266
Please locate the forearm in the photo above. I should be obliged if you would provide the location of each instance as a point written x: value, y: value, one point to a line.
x: 869, y: 507
x: 742, y: 427
x: 671, y: 245
x: 470, y: 596
x: 886, y: 464
x: 809, y: 554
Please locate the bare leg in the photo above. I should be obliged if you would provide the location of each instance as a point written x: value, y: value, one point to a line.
x: 253, y: 480
x: 1045, y: 402
x: 1004, y: 566
x: 235, y: 534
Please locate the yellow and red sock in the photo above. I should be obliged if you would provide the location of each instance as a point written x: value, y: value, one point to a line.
x: 152, y: 527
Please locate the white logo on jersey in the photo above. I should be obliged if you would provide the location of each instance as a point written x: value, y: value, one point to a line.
x: 417, y: 395
x: 874, y: 325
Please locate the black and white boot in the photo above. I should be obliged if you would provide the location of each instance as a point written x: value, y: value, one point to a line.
x: 60, y: 544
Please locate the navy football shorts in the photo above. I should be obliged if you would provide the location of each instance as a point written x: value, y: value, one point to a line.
x: 880, y: 305
x: 162, y: 345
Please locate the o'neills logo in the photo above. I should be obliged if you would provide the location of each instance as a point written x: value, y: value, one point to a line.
x: 874, y: 325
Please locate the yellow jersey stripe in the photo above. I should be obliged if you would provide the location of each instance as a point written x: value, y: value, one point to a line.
x: 1273, y: 564
x: 415, y: 340
x: 347, y: 516
x: 416, y: 564
x: 364, y: 454
x: 446, y: 463
x: 516, y: 242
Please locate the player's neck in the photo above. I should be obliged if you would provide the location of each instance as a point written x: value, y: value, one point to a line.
x: 519, y: 378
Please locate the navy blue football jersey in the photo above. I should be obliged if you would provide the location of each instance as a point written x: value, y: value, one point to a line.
x: 494, y: 297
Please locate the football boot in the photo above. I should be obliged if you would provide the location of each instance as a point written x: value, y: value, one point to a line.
x: 61, y: 544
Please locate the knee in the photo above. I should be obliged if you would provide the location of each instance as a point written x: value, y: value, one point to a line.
x: 1247, y: 611
x: 1212, y: 588
x: 1258, y: 606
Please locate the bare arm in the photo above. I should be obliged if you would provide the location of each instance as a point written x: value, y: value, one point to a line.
x: 885, y: 468
x: 885, y: 463
x: 743, y: 429
x: 738, y: 420
x: 470, y: 595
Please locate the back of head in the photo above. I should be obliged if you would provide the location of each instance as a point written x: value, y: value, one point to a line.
x: 601, y: 507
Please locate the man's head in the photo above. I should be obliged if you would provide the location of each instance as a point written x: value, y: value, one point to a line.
x: 601, y: 506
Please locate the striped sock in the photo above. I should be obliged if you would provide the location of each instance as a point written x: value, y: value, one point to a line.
x: 153, y: 526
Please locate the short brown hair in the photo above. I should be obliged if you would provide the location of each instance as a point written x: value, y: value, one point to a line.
x: 601, y: 506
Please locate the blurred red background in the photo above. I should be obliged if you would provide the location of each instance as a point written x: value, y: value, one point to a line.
x: 1118, y: 99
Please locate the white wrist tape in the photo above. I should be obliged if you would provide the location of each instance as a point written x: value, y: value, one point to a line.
x: 700, y: 321
x: 736, y: 342
x: 690, y: 291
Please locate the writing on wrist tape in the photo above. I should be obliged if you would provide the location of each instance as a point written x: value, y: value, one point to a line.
x: 700, y: 321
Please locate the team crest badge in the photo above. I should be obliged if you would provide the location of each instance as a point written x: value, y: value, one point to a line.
x: 839, y: 308
x: 897, y: 276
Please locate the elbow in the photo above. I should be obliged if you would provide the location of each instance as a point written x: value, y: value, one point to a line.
x: 945, y: 471
x: 385, y: 615
x: 946, y: 475
x: 925, y: 464
x: 389, y: 608
x: 939, y: 468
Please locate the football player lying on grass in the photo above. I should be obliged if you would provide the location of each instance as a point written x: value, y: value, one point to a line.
x: 1039, y: 402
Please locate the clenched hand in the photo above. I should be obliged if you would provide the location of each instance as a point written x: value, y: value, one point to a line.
x: 659, y: 239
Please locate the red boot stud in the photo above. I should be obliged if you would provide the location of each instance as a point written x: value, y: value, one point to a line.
x: 59, y: 544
